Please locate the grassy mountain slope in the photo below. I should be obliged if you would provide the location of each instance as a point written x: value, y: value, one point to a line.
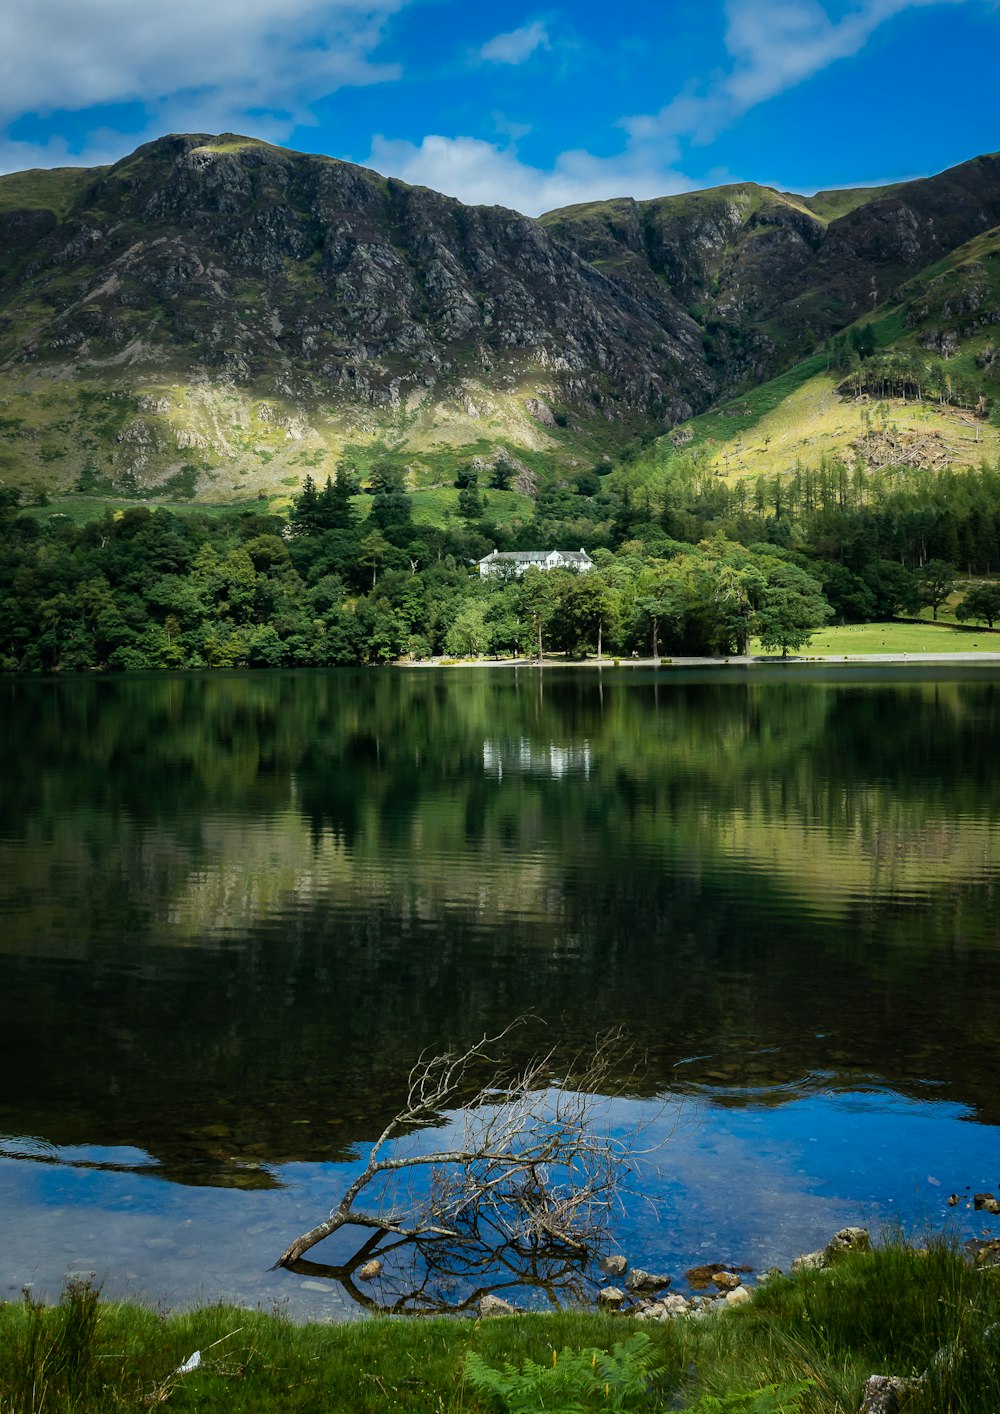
x: 946, y: 320
x: 215, y: 317
x: 800, y: 418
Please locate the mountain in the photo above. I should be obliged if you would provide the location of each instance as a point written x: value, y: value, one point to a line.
x: 213, y: 302
x: 767, y: 274
x: 927, y: 396
x: 214, y: 316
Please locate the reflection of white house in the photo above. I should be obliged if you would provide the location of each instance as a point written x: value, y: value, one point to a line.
x: 525, y: 757
x: 517, y: 561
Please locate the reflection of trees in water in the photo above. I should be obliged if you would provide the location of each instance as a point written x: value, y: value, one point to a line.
x: 438, y: 1276
x: 611, y: 896
x: 161, y: 749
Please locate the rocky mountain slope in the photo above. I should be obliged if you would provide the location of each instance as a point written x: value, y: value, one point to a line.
x: 768, y: 274
x: 214, y: 316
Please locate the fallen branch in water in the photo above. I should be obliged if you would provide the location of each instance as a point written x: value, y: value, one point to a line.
x: 532, y: 1167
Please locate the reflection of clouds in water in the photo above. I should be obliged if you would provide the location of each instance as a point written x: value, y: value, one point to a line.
x: 754, y: 1185
x: 724, y: 1191
x: 145, y: 1238
x: 760, y: 1184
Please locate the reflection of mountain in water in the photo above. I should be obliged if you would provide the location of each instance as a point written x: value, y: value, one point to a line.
x: 525, y: 757
x: 232, y: 910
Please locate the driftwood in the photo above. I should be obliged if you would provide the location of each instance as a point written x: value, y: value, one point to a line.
x: 531, y: 1170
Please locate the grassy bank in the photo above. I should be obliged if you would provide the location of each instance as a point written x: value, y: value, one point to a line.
x: 805, y: 1343
x: 917, y: 636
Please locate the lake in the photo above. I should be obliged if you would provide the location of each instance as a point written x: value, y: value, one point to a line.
x: 235, y: 908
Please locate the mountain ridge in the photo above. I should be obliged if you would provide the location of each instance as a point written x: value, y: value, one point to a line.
x: 214, y: 315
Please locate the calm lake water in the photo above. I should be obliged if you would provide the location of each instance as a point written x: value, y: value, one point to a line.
x: 233, y: 910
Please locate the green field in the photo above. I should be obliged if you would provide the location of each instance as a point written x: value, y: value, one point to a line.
x: 437, y: 505
x: 902, y: 637
x: 80, y: 509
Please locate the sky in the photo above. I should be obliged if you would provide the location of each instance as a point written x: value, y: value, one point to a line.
x: 515, y: 103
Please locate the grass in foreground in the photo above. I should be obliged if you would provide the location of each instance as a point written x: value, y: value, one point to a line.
x: 805, y: 1343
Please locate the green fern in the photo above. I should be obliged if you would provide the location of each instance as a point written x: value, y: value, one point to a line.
x: 576, y: 1381
x: 774, y: 1399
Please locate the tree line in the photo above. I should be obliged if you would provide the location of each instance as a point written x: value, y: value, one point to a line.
x: 691, y: 565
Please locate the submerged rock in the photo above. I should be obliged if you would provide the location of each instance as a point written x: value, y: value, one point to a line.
x: 700, y: 1277
x: 613, y: 1266
x: 638, y: 1280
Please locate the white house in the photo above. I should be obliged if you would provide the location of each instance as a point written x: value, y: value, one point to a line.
x: 518, y: 561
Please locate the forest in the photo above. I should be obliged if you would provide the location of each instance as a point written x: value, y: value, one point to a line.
x: 692, y: 565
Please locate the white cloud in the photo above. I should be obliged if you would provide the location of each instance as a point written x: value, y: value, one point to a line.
x: 230, y: 57
x: 773, y: 45
x: 517, y: 45
x: 102, y: 149
x: 482, y: 173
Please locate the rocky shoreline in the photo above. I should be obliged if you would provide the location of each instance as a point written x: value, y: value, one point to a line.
x: 715, y: 1286
x: 719, y: 1286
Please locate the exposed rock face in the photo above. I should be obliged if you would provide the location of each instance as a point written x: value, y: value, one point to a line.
x: 491, y: 1305
x: 253, y: 262
x: 638, y: 1280
x: 884, y: 1394
x: 848, y: 1239
x: 230, y: 292
x: 768, y: 274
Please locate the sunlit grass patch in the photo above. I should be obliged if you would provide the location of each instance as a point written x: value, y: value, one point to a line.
x: 901, y: 637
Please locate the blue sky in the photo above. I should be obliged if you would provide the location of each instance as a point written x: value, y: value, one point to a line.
x: 526, y: 105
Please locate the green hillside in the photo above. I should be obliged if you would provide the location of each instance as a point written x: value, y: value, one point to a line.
x: 214, y: 318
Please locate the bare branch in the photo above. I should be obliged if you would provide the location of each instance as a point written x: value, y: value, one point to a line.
x: 532, y: 1169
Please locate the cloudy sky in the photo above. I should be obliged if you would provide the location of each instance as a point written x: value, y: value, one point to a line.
x: 531, y: 106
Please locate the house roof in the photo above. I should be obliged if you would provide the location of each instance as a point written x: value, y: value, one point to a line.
x: 534, y: 557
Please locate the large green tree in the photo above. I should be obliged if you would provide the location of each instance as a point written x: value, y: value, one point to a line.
x: 935, y: 581
x: 792, y: 607
x: 981, y: 602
